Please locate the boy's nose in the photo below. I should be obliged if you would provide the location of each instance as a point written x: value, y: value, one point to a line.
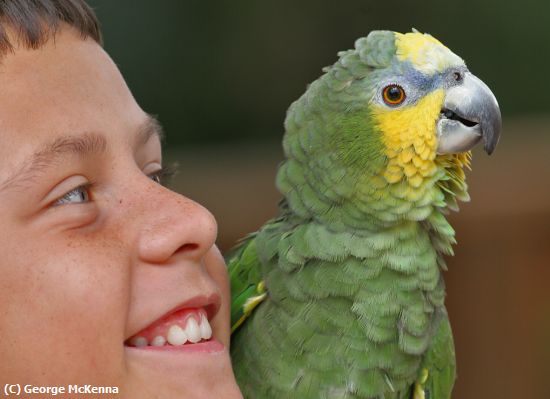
x: 175, y: 227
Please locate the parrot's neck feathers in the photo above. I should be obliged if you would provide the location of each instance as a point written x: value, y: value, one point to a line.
x: 402, y: 186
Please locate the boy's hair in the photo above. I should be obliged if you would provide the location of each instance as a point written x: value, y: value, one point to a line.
x: 35, y: 21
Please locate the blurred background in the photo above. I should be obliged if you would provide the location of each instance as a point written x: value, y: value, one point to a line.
x: 221, y: 74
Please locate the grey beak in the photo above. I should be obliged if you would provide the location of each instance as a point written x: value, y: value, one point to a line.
x: 470, y: 114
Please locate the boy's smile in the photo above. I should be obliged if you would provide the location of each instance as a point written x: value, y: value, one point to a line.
x: 186, y: 324
x: 108, y: 278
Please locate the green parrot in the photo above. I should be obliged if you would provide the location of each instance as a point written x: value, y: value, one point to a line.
x: 342, y: 295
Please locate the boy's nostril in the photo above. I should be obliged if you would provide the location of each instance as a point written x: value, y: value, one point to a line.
x: 188, y: 247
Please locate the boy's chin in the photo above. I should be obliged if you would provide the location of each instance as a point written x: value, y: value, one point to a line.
x: 185, y: 376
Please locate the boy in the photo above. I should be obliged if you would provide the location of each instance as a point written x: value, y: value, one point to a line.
x: 110, y: 283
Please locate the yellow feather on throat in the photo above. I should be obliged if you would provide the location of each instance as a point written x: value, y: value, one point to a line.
x: 410, y: 139
x: 409, y: 135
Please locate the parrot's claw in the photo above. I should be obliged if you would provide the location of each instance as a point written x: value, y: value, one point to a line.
x: 419, y: 392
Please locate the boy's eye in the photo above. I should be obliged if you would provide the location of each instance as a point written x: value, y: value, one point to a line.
x: 81, y: 194
x: 163, y: 175
x: 77, y: 195
x: 156, y: 177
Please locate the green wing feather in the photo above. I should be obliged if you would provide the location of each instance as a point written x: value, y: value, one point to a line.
x: 247, y: 286
x: 438, y: 371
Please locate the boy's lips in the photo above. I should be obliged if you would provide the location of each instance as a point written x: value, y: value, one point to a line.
x: 186, y: 324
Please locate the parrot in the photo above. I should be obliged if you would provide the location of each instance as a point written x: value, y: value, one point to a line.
x: 341, y: 295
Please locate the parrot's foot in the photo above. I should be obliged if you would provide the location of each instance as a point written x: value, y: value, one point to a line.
x: 419, y: 392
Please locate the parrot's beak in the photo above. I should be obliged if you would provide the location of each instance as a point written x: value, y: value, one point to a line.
x: 470, y: 113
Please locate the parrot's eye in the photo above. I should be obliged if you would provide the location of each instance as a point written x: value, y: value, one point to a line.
x: 394, y: 95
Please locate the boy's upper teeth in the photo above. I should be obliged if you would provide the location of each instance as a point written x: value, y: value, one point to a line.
x: 176, y: 335
x: 139, y: 341
x: 159, y: 340
x: 192, y: 330
x: 206, y: 330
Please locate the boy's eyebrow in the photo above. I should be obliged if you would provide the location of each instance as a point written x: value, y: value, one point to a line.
x: 150, y: 127
x: 85, y: 144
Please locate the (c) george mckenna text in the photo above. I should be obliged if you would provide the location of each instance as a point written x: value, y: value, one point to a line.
x: 74, y: 389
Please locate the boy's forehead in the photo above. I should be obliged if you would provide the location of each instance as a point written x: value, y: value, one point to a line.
x: 68, y: 86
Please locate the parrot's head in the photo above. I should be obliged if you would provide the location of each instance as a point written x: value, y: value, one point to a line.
x: 417, y: 81
x: 397, y: 110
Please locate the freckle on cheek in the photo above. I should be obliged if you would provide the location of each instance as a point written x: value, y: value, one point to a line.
x: 102, y: 239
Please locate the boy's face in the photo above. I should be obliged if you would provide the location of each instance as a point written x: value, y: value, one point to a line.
x: 93, y: 249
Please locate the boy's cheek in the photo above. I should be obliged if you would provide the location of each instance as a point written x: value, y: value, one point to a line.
x: 47, y: 331
x: 59, y: 304
x: 217, y: 270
